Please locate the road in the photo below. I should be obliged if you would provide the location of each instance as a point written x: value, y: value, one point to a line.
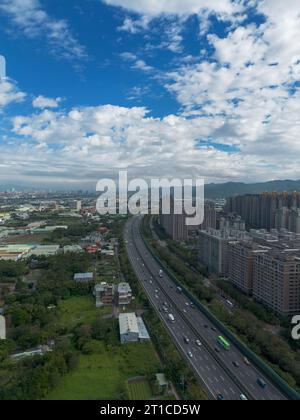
x: 213, y: 368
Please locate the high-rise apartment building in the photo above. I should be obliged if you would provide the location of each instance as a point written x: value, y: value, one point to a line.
x: 259, y: 210
x: 213, y: 248
x: 276, y: 281
x: 176, y: 227
x: 240, y: 264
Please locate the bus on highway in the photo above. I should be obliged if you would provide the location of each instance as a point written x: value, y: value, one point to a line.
x: 223, y: 343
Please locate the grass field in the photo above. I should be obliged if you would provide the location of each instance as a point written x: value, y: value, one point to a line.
x: 79, y: 310
x: 103, y: 375
x: 139, y: 390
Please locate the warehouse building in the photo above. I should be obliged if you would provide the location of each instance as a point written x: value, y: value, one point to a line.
x: 2, y: 328
x: 132, y: 329
x: 83, y: 277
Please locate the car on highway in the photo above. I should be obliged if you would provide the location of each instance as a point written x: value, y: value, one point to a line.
x: 217, y: 350
x: 205, y: 326
x: 171, y: 317
x: 246, y: 361
x: 156, y: 297
x: 190, y: 354
x: 220, y: 397
x: 186, y: 340
x: 187, y: 304
x: 261, y: 383
x: 185, y: 311
x: 243, y: 397
x: 213, y: 329
x: 236, y: 364
x: 198, y: 342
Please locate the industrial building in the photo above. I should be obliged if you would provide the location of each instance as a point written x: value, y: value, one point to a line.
x: 132, y: 329
x: 83, y: 277
x: 2, y: 328
x: 129, y: 329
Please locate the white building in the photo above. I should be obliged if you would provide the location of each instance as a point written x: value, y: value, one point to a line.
x: 2, y: 328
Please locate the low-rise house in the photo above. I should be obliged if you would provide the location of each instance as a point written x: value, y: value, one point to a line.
x: 124, y: 294
x: 40, y: 351
x: 162, y: 383
x: 104, y: 294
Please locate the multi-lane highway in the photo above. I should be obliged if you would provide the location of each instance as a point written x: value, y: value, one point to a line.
x: 224, y: 374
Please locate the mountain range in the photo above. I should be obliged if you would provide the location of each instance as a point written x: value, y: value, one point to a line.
x: 229, y: 189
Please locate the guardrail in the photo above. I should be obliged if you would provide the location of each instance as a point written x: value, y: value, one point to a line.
x: 260, y: 364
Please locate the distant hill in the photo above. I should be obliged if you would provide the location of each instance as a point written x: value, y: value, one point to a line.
x: 239, y: 188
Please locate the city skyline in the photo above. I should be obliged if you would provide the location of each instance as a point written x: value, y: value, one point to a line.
x: 194, y: 88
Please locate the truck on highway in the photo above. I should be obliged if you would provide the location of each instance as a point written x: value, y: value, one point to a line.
x: 171, y: 318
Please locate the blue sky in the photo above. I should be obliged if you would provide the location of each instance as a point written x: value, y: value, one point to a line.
x: 161, y: 87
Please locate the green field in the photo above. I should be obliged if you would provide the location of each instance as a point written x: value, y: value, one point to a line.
x: 79, y: 310
x: 139, y: 390
x: 103, y: 375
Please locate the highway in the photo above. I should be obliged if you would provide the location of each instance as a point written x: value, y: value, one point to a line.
x: 220, y: 372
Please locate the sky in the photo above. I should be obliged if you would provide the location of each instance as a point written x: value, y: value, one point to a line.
x: 163, y: 88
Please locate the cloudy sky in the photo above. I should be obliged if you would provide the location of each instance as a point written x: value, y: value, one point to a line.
x: 207, y: 88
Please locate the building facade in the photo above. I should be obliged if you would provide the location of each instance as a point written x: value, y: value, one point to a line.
x: 276, y: 281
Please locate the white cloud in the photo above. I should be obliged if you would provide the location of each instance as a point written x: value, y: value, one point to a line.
x: 9, y: 93
x: 104, y: 139
x: 134, y: 26
x: 29, y: 17
x: 247, y: 87
x: 179, y: 7
x: 137, y: 63
x: 43, y: 102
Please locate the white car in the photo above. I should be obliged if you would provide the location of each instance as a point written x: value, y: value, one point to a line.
x: 243, y: 397
x: 190, y: 354
x: 198, y: 342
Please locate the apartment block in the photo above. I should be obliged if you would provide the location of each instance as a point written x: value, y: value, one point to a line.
x: 260, y: 210
x: 240, y: 264
x: 213, y: 248
x: 276, y: 280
